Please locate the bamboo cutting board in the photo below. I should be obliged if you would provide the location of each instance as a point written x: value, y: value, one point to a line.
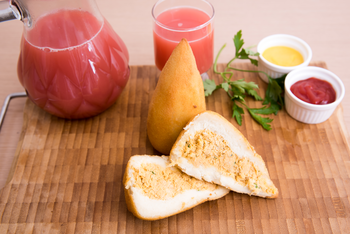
x: 67, y: 175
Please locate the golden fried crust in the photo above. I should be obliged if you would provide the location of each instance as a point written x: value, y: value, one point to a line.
x: 273, y: 196
x: 178, y: 97
x: 128, y: 199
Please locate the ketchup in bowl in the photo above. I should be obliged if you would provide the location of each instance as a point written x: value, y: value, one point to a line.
x: 314, y: 91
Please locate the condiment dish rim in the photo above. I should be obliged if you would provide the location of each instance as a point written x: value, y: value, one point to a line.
x: 285, y: 69
x: 335, y: 79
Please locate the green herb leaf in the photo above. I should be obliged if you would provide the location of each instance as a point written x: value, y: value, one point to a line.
x: 280, y: 80
x: 225, y: 86
x: 272, y: 109
x: 241, y: 87
x: 254, y: 61
x: 238, y: 41
x: 250, y: 52
x: 273, y: 92
x: 244, y: 85
x: 238, y: 89
x: 238, y: 93
x: 209, y: 87
x: 245, y: 55
x: 237, y: 113
x: 239, y: 98
x: 264, y: 122
x: 275, y: 106
x: 253, y: 93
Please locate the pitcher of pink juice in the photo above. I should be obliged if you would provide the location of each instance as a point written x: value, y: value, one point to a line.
x: 72, y: 64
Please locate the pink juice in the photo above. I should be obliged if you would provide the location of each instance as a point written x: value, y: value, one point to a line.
x: 73, y: 65
x: 201, y: 39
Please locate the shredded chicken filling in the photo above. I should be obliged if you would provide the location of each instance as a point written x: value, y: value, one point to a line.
x: 209, y: 149
x: 157, y: 182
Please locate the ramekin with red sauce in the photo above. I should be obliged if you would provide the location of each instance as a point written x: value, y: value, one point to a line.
x: 302, y: 105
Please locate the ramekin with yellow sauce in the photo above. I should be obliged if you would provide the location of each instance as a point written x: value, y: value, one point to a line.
x: 282, y: 53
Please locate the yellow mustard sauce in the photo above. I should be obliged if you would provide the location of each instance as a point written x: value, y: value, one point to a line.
x: 283, y: 56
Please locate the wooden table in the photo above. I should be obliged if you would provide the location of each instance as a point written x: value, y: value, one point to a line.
x: 323, y: 25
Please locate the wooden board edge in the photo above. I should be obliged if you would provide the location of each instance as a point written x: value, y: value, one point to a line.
x: 339, y: 112
x: 19, y: 145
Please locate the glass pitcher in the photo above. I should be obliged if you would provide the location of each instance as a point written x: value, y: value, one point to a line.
x: 72, y: 64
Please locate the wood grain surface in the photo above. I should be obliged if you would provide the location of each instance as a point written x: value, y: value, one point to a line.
x: 67, y: 175
x: 322, y: 24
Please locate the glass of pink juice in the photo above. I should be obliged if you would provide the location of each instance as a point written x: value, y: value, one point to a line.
x: 190, y: 19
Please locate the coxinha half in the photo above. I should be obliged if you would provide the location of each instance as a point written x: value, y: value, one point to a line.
x: 178, y: 97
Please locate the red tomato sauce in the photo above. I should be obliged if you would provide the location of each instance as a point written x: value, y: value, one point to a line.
x: 314, y: 91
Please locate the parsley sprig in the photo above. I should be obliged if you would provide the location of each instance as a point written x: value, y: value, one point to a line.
x: 237, y: 90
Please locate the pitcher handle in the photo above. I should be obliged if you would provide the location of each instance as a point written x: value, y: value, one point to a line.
x: 7, y: 102
x: 9, y: 11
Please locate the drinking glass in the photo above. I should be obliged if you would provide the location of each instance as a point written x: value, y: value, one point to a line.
x: 190, y: 19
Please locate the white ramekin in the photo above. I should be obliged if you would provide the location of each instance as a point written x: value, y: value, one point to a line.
x: 306, y: 112
x: 273, y: 70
